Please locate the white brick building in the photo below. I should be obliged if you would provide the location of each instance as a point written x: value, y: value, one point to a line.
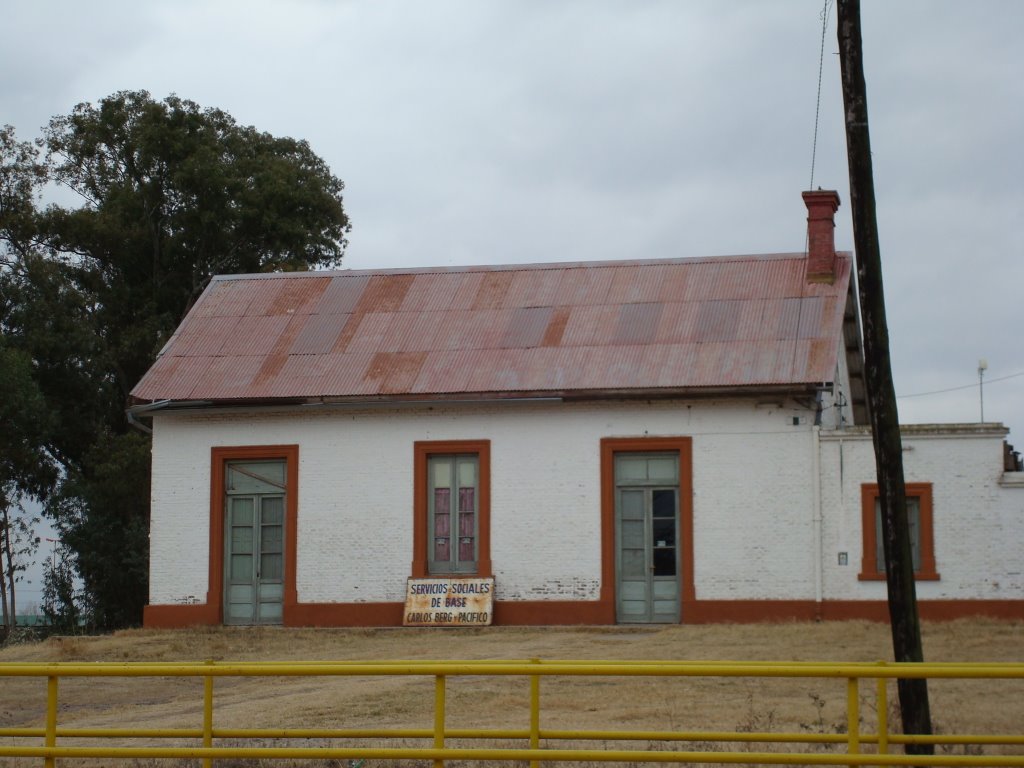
x: 653, y: 441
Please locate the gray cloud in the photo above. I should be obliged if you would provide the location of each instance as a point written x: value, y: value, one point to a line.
x: 472, y: 132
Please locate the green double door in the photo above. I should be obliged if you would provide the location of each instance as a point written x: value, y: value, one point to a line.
x: 254, y: 542
x: 647, y: 538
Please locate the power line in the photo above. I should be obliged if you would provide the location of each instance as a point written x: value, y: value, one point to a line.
x: 821, y: 64
x: 965, y: 386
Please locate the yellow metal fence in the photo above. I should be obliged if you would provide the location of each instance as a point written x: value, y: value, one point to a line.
x: 536, y: 743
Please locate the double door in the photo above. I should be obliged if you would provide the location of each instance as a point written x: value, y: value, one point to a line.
x: 647, y: 534
x: 254, y: 528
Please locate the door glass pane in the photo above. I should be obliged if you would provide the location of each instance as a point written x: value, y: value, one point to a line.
x: 241, y: 540
x: 241, y: 511
x: 442, y: 550
x: 664, y: 532
x: 442, y: 472
x: 665, y: 561
x: 271, y: 538
x: 270, y: 613
x: 631, y: 504
x: 270, y: 566
x: 630, y: 468
x: 466, y: 551
x: 662, y: 469
x: 467, y: 472
x: 632, y: 533
x: 241, y: 567
x: 664, y: 503
x: 256, y: 476
x: 272, y: 510
x: 633, y: 564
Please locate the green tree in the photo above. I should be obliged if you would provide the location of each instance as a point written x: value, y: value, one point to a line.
x: 61, y: 600
x: 168, y: 195
x: 25, y: 467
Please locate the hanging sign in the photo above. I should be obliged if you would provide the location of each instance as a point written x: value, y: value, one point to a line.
x: 449, y: 602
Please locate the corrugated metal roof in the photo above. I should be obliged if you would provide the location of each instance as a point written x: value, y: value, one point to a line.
x: 644, y: 326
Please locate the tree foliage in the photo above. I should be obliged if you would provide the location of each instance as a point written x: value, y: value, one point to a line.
x: 163, y: 196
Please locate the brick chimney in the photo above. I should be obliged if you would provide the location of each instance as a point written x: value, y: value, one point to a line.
x: 822, y: 205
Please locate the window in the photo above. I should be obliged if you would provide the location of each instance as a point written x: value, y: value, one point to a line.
x: 452, y: 493
x: 922, y: 540
x: 451, y: 508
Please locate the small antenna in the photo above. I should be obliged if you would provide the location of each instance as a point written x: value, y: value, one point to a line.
x: 982, y: 367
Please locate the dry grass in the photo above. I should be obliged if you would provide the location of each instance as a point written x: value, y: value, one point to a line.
x: 642, y: 704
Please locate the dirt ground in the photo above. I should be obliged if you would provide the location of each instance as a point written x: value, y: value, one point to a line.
x: 633, y: 703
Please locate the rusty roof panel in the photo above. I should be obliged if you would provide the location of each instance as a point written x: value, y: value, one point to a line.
x: 533, y: 288
x: 733, y: 321
x: 384, y: 293
x: 343, y: 373
x: 587, y: 326
x: 412, y: 332
x: 638, y: 323
x: 200, y: 339
x: 342, y: 294
x: 555, y: 331
x: 580, y: 286
x: 466, y: 290
x: 492, y: 290
x: 256, y: 336
x: 226, y: 377
x: 225, y: 298
x: 318, y: 335
x: 638, y: 286
x: 394, y: 372
x: 811, y: 310
x: 718, y: 320
x: 526, y: 327
x: 444, y: 372
x: 298, y: 296
x: 432, y: 292
x: 678, y: 323
x: 371, y: 332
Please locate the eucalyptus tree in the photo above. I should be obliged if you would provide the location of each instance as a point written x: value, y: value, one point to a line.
x: 148, y: 201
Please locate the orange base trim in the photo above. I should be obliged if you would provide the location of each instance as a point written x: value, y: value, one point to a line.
x: 755, y: 611
x: 344, y: 615
x: 527, y: 613
x: 599, y: 612
x: 177, y: 616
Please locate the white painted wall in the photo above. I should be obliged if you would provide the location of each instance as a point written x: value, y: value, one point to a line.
x: 753, y: 499
x: 355, y: 494
x: 978, y: 522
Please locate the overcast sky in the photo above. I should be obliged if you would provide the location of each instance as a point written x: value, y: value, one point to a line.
x: 489, y: 132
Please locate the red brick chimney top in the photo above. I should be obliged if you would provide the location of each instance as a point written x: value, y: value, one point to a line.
x: 822, y: 205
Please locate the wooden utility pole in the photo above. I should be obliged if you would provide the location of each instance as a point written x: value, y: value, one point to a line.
x: 881, y: 395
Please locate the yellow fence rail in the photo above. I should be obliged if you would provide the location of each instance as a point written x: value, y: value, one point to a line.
x: 855, y: 747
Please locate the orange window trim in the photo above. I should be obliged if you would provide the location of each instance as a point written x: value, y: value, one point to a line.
x: 870, y: 567
x: 219, y: 458
x: 422, y: 451
x: 683, y: 446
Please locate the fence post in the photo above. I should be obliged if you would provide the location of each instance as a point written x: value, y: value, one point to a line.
x: 882, y: 703
x: 208, y: 715
x: 51, y: 718
x: 852, y: 716
x: 439, y: 717
x: 535, y: 713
